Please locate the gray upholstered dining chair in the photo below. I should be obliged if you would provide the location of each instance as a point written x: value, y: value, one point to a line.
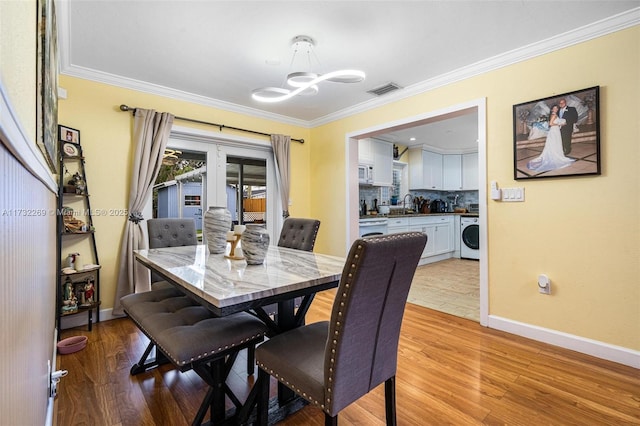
x: 174, y: 232
x: 300, y: 234
x: 170, y: 232
x: 334, y: 363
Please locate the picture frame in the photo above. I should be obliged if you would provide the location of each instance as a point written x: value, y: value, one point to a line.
x: 67, y: 134
x: 550, y: 150
x: 47, y: 83
x: 70, y: 149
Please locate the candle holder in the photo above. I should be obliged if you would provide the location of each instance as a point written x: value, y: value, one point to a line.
x: 234, y: 240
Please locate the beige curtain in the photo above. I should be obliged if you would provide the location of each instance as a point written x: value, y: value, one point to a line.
x: 280, y: 145
x: 150, y: 135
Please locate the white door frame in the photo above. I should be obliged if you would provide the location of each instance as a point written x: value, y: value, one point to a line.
x: 351, y: 167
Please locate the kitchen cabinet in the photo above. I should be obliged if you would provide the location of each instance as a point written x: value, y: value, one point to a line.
x: 379, y: 154
x: 398, y: 224
x: 452, y: 172
x: 448, y: 172
x: 425, y: 169
x: 365, y: 155
x: 439, y: 231
x: 470, y: 171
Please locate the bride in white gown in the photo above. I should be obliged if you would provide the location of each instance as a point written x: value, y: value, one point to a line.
x: 552, y: 156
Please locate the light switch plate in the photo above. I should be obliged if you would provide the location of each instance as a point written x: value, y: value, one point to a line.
x: 513, y: 194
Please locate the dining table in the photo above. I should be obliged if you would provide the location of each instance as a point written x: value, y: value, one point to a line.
x: 227, y: 286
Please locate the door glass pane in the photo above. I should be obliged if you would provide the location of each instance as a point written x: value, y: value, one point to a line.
x: 179, y: 190
x: 246, y: 189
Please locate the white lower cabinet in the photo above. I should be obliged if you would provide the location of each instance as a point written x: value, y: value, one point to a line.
x: 440, y: 235
x: 398, y: 224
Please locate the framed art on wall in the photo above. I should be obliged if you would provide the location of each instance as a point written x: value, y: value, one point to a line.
x: 67, y: 134
x: 558, y: 135
x: 47, y: 83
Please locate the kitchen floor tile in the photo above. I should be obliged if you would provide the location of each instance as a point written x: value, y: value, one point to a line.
x: 451, y: 286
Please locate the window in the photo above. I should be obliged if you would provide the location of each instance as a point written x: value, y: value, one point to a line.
x: 191, y: 200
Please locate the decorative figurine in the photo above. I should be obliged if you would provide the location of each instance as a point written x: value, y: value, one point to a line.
x: 79, y: 183
x: 69, y: 302
x: 88, y: 292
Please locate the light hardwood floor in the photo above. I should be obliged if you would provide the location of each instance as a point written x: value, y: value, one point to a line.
x: 451, y: 371
x: 451, y: 286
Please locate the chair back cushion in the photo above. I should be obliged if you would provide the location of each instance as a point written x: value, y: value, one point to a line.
x: 299, y: 233
x: 362, y: 346
x: 171, y: 232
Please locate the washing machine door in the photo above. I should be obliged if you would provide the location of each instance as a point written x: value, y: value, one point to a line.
x: 471, y: 236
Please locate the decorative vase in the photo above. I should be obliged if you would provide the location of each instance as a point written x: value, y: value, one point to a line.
x: 255, y: 243
x: 217, y: 221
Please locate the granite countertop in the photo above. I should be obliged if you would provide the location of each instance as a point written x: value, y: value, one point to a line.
x: 395, y: 215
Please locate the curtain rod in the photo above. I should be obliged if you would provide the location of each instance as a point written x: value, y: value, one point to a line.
x: 220, y: 126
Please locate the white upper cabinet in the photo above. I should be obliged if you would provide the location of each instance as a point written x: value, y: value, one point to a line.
x: 425, y: 169
x: 447, y: 172
x: 452, y: 172
x: 365, y: 155
x: 379, y: 154
x: 470, y: 171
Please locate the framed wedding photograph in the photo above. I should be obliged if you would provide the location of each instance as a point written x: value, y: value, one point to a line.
x: 67, y: 134
x: 557, y: 136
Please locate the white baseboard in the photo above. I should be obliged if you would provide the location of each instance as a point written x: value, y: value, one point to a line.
x: 591, y: 347
x: 433, y: 259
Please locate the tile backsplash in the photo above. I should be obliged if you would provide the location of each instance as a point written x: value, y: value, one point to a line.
x: 383, y: 195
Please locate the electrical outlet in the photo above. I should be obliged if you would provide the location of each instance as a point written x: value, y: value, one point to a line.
x: 544, y: 284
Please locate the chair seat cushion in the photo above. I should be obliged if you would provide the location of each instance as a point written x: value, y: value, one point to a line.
x: 297, y: 356
x: 187, y: 332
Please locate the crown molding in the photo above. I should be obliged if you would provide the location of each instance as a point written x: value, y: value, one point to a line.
x: 154, y: 89
x: 588, y: 32
x: 597, y: 29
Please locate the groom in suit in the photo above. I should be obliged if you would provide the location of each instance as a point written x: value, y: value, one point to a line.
x: 571, y: 115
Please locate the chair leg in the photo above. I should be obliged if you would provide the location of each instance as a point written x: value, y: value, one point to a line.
x: 251, y: 359
x: 262, y: 385
x: 390, y: 400
x: 330, y: 421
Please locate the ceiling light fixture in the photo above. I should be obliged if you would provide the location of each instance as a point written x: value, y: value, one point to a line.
x: 304, y: 82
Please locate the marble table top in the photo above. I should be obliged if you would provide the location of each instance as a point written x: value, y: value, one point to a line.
x: 224, y: 283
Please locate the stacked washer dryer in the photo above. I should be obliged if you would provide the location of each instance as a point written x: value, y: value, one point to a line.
x: 469, y: 237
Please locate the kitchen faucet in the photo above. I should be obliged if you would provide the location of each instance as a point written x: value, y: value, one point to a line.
x: 404, y: 200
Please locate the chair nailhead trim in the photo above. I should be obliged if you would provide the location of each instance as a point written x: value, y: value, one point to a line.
x: 199, y: 356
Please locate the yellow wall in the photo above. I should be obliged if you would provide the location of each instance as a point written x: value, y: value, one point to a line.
x: 583, y: 232
x: 18, y: 60
x: 106, y: 133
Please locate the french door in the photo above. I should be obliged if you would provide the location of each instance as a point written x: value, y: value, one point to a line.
x: 240, y: 175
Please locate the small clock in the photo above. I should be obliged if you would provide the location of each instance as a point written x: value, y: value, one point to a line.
x: 70, y: 150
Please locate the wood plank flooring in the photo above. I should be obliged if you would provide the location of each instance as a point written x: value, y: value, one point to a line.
x: 450, y: 371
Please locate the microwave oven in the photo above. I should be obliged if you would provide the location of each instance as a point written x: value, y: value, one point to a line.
x: 365, y: 174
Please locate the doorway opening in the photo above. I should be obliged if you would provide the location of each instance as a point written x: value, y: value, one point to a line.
x: 247, y: 190
x: 477, y: 107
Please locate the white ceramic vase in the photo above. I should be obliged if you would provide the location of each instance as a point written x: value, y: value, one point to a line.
x: 255, y: 243
x: 217, y: 221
